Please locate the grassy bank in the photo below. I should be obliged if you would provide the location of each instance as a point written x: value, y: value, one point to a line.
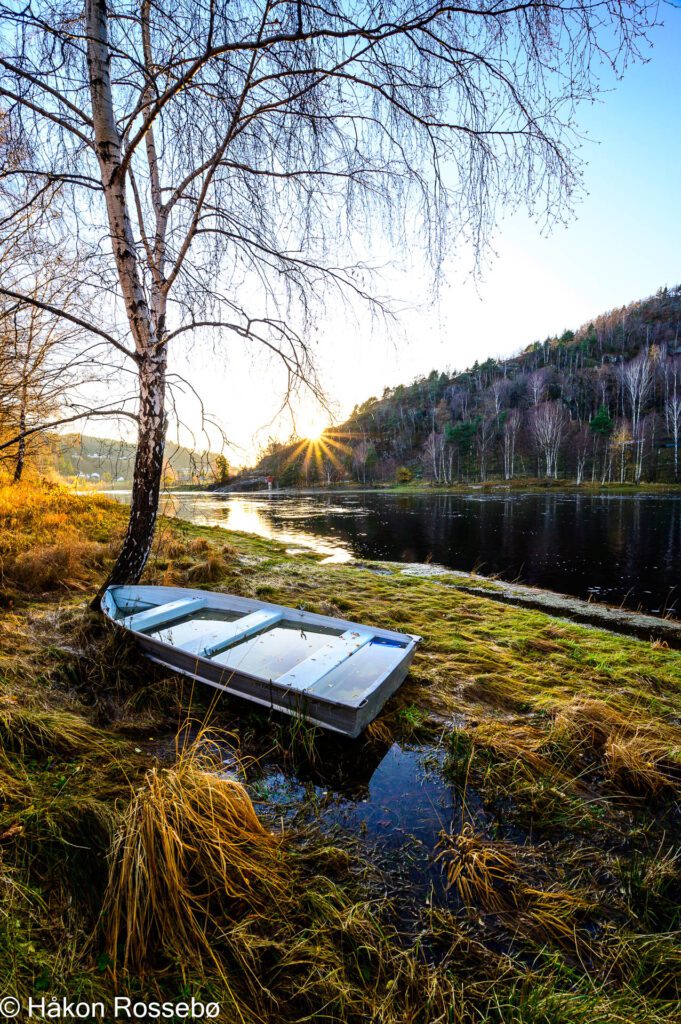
x: 132, y: 860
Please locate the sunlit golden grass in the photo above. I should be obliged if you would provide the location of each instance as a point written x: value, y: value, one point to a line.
x: 36, y: 514
x: 68, y: 565
x: 53, y: 539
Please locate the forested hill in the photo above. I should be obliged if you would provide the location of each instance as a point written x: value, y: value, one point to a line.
x: 599, y: 402
x: 104, y: 460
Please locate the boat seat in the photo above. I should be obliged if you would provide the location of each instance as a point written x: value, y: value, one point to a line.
x: 211, y: 643
x: 312, y: 669
x: 161, y: 613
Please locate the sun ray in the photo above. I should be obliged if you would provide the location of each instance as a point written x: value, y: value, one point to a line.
x: 295, y: 453
x: 317, y: 450
x: 336, y: 444
x: 326, y: 448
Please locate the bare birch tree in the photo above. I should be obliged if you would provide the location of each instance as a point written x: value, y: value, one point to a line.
x: 620, y: 444
x: 433, y: 448
x: 510, y: 431
x: 487, y: 429
x: 223, y: 151
x: 536, y: 383
x: 548, y: 423
x: 582, y: 444
x: 672, y: 411
x: 638, y: 379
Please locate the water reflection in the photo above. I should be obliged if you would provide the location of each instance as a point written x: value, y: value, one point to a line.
x: 255, y: 514
x: 615, y: 548
x: 395, y: 806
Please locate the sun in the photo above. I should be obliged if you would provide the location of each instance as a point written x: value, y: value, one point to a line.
x: 312, y: 428
x: 315, y: 433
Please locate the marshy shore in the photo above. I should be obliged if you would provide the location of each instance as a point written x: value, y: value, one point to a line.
x: 159, y: 839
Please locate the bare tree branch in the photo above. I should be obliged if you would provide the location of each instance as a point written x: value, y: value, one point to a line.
x: 66, y: 315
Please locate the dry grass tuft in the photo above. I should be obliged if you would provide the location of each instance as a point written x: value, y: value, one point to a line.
x: 516, y: 745
x: 209, y: 570
x: 588, y: 723
x: 379, y: 732
x: 488, y: 875
x: 190, y: 856
x: 32, y: 732
x: 551, y: 914
x: 170, y: 547
x: 198, y: 546
x: 483, y: 873
x: 638, y: 755
x: 638, y: 764
x: 171, y: 576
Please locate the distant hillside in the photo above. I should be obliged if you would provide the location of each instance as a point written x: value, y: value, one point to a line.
x: 103, y: 460
x: 601, y: 402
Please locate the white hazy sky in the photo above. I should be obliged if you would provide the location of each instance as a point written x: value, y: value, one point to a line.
x: 622, y: 243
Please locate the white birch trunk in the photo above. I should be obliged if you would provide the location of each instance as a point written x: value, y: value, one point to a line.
x: 147, y: 325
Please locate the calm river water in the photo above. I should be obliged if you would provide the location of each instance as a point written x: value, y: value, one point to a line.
x: 617, y: 548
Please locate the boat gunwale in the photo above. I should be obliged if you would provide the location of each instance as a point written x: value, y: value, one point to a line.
x: 253, y: 604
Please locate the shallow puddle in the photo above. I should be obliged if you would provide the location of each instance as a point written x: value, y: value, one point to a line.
x: 392, y: 803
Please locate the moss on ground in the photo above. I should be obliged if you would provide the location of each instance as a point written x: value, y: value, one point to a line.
x: 562, y: 742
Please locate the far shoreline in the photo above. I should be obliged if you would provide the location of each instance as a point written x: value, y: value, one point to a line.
x: 492, y: 488
x: 521, y: 486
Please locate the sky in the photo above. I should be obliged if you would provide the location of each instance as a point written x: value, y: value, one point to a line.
x: 622, y: 243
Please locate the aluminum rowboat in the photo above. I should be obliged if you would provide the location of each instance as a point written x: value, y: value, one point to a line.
x: 334, y: 673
